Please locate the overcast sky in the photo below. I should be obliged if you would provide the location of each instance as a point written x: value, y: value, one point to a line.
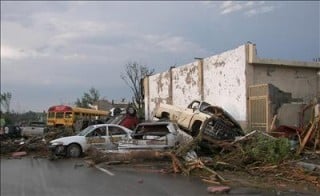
x: 53, y: 52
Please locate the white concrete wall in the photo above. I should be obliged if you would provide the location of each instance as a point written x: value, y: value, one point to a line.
x: 226, y: 78
x: 185, y: 80
x: 223, y: 84
x: 158, y: 92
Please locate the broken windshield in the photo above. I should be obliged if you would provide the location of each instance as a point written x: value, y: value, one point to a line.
x: 85, y: 131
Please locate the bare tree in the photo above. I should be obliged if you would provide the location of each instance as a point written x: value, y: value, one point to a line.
x: 88, y: 98
x: 133, y: 75
x: 5, y: 100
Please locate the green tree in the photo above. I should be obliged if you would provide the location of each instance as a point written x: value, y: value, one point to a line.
x: 88, y: 98
x: 5, y: 99
x: 133, y: 75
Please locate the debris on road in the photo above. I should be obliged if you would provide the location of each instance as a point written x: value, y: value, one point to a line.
x: 19, y: 154
x: 218, y: 189
x: 203, y: 148
x: 36, y: 145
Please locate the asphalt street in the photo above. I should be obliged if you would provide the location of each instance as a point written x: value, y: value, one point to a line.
x: 37, y: 176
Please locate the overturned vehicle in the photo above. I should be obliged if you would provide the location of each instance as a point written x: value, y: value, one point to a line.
x: 155, y: 135
x: 222, y: 125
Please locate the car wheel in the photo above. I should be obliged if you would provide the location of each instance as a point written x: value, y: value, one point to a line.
x: 74, y: 150
x: 195, y: 129
x: 164, y: 117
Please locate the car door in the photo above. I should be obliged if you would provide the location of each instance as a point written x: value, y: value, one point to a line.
x: 115, y: 134
x: 188, y: 113
x: 97, y: 137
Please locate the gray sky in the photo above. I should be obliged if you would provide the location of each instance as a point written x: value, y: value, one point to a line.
x: 53, y: 52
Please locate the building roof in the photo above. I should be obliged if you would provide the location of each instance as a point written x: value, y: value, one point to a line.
x: 253, y: 59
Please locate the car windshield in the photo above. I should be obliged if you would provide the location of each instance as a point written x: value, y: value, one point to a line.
x: 204, y: 105
x: 85, y: 131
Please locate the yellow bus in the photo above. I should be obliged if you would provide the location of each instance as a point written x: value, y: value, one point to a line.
x: 67, y: 116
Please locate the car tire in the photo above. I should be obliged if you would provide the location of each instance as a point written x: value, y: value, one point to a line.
x: 74, y: 150
x: 165, y: 117
x: 195, y: 129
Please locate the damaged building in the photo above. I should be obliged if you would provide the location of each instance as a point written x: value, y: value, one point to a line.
x: 252, y: 89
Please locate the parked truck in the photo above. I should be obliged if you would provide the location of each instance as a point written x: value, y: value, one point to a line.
x: 33, y: 128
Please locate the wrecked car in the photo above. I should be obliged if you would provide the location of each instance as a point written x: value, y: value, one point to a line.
x: 222, y: 126
x: 155, y: 135
x: 104, y: 136
x: 127, y: 119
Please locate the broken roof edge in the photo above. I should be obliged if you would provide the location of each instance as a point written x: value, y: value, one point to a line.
x: 253, y: 59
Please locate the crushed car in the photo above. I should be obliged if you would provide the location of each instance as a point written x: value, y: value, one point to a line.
x: 155, y: 135
x: 105, y: 136
x: 191, y: 119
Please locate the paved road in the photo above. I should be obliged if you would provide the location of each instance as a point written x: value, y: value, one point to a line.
x: 29, y: 176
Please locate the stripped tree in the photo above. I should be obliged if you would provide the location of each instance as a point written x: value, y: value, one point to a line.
x: 133, y: 75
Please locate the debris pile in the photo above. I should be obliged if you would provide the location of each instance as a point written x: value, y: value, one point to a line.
x: 311, y: 135
x: 57, y: 133
x: 258, y: 153
x: 37, y: 145
x: 216, y: 135
x: 256, y: 148
x: 307, y: 135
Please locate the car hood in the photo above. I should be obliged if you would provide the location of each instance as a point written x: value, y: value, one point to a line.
x: 68, y: 139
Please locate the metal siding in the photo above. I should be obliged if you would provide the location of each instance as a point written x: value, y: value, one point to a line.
x: 259, y: 107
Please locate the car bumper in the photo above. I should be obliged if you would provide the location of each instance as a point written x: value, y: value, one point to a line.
x: 58, y: 149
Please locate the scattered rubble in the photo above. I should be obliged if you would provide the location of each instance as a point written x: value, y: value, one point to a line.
x: 283, y: 155
x: 36, y: 145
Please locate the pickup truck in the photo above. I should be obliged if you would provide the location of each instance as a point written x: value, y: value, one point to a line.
x: 191, y: 119
x: 34, y: 128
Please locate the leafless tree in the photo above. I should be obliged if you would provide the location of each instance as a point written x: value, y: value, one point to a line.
x: 133, y: 75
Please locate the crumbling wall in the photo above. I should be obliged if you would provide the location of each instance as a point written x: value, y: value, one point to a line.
x: 225, y: 81
x: 185, y: 84
x: 219, y: 80
x: 303, y: 83
x: 158, y: 92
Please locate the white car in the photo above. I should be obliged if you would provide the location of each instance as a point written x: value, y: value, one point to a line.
x: 104, y: 136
